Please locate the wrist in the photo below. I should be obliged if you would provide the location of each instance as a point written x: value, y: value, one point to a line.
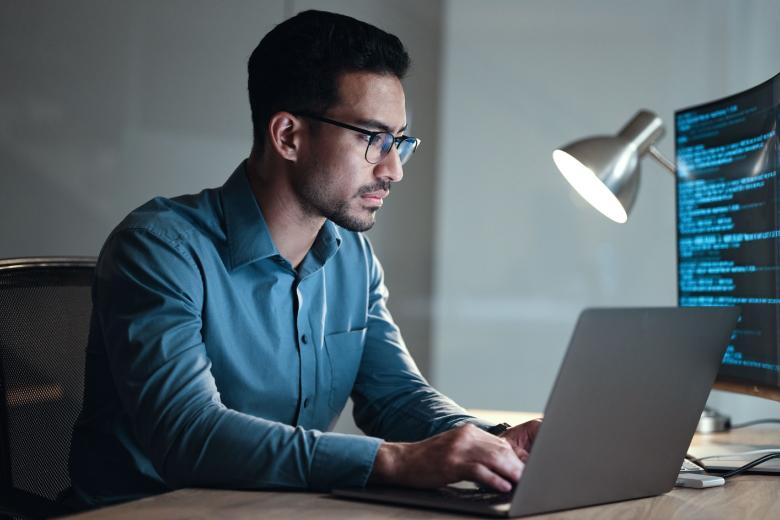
x: 386, y: 463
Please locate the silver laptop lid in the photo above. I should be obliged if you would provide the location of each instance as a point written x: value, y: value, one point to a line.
x: 624, y: 406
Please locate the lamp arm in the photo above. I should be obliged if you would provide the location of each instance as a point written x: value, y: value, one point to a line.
x: 666, y: 163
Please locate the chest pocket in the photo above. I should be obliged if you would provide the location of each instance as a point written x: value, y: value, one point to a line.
x: 344, y: 350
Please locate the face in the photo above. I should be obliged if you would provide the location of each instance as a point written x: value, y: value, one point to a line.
x: 334, y: 179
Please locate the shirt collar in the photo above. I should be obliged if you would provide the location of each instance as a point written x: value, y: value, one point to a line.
x: 324, y: 247
x: 248, y: 236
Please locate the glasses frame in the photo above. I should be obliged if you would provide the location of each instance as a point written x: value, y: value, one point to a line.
x: 373, y: 134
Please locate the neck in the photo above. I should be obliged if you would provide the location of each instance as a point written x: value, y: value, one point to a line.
x: 292, y: 229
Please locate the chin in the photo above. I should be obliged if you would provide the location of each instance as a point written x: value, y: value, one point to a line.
x: 354, y: 222
x: 358, y: 218
x: 361, y: 225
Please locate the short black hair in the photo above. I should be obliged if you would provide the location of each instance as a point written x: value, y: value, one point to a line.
x: 296, y: 66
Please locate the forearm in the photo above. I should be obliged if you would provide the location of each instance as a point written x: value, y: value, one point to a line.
x: 193, y: 439
x: 410, y: 412
x: 224, y: 448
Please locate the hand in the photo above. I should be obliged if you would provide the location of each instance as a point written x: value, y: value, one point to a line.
x: 463, y: 453
x: 521, y: 437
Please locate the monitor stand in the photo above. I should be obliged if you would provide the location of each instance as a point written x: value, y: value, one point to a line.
x: 712, y: 421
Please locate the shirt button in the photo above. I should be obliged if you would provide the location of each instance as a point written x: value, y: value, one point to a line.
x: 306, y: 403
x: 304, y: 339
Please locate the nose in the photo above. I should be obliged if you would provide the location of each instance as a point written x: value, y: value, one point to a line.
x: 389, y: 169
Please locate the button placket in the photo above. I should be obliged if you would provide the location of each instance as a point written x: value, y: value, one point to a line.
x: 307, y: 357
x: 303, y: 338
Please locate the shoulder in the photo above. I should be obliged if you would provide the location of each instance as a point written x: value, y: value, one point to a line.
x: 175, y: 220
x: 165, y: 235
x: 158, y: 247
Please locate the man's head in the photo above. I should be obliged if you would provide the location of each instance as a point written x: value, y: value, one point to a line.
x: 312, y: 78
x: 296, y: 66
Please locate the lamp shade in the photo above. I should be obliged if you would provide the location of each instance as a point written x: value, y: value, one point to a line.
x: 604, y: 170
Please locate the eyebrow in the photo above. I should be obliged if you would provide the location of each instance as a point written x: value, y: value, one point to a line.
x: 373, y: 123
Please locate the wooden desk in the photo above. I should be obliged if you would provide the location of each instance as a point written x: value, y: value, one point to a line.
x: 748, y: 496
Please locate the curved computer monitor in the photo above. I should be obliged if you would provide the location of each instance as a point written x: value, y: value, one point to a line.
x: 728, y: 227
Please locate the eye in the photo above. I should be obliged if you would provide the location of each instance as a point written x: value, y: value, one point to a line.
x: 376, y: 140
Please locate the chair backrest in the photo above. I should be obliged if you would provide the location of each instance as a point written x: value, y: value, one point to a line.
x: 45, y: 308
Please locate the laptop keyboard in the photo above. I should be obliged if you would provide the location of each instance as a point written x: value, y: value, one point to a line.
x: 484, y: 496
x: 476, y: 495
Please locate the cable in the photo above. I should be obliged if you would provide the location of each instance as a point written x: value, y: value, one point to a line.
x: 693, y: 459
x: 751, y: 464
x: 770, y: 454
x: 731, y: 455
x: 753, y: 423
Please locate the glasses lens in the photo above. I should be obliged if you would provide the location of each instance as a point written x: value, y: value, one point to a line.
x: 406, y: 148
x: 378, y: 146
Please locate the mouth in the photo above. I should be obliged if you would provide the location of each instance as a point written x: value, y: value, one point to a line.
x: 375, y: 198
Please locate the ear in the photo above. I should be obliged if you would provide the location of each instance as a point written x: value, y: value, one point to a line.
x: 284, y: 135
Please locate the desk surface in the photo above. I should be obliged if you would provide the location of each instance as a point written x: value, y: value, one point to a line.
x: 747, y: 496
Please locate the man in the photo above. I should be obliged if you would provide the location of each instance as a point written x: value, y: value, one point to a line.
x: 230, y: 327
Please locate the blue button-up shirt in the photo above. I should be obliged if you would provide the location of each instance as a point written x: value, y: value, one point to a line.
x: 212, y: 362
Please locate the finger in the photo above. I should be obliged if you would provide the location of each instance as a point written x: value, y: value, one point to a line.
x: 522, y: 454
x: 505, y: 462
x: 523, y: 435
x: 504, y: 443
x: 497, y: 455
x: 517, y: 447
x: 486, y: 477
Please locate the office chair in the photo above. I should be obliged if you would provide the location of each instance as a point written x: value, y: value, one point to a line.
x: 45, y: 308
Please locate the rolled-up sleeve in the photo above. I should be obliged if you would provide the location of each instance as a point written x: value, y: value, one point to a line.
x: 149, y: 293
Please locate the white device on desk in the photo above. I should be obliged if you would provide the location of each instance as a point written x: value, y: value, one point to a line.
x: 699, y: 480
x: 619, y: 420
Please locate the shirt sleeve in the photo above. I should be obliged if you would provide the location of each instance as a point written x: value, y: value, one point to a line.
x: 149, y: 294
x: 392, y: 399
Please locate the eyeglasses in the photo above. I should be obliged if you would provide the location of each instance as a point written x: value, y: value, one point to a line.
x: 379, y: 143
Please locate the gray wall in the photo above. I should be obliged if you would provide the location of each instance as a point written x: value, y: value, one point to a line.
x: 517, y: 254
x: 106, y: 104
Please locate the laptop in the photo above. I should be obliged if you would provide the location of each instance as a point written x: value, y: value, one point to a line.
x: 618, y: 422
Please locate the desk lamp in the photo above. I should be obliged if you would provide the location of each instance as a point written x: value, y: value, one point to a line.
x: 605, y: 169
